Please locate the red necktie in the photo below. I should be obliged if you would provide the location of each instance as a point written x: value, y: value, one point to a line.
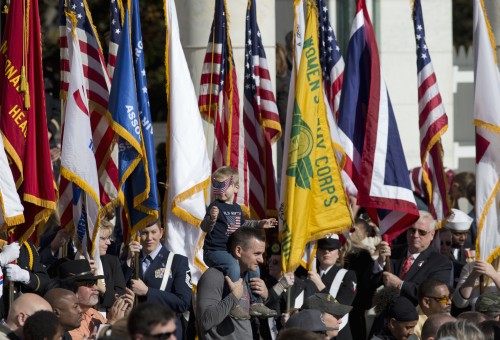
x: 406, y: 267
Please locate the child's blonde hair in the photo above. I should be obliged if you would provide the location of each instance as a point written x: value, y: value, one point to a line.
x: 225, y: 172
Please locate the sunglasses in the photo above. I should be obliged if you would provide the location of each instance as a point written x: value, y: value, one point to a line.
x: 446, y: 243
x: 419, y: 231
x: 88, y: 284
x: 161, y: 336
x: 443, y: 300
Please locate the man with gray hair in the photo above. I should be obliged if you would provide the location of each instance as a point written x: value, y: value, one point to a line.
x: 413, y: 263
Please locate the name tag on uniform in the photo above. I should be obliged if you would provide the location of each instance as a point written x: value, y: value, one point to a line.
x: 159, y: 273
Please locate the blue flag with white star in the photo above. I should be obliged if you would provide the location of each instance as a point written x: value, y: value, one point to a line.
x: 129, y: 106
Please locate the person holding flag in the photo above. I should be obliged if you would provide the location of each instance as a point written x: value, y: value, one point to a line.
x: 153, y: 272
x: 223, y: 218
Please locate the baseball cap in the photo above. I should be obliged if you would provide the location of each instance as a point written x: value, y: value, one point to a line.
x: 327, y: 304
x: 488, y: 302
x: 308, y: 319
x: 402, y: 310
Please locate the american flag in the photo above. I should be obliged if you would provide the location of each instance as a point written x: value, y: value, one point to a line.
x: 378, y: 165
x: 219, y: 103
x: 261, y: 121
x: 331, y: 60
x: 234, y: 222
x: 433, y: 123
x: 332, y: 65
x: 96, y: 81
x: 115, y: 28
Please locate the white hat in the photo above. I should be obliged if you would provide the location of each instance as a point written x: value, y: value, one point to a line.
x: 459, y: 221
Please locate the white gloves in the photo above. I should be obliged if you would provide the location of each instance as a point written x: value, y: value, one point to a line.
x: 17, y: 274
x: 10, y: 252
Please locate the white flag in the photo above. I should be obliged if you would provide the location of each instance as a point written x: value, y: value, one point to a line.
x: 487, y: 122
x: 78, y: 164
x: 189, y: 166
x: 11, y: 211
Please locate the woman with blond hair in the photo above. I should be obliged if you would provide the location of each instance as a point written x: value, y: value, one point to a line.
x: 113, y: 275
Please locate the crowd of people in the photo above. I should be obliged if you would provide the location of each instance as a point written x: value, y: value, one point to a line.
x: 426, y: 284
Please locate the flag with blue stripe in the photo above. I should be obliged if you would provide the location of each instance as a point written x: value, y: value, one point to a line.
x: 375, y: 160
x: 129, y: 106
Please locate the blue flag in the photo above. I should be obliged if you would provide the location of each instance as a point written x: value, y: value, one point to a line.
x: 129, y: 106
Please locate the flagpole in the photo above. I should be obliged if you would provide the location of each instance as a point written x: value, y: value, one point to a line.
x: 388, y: 269
x: 288, y: 299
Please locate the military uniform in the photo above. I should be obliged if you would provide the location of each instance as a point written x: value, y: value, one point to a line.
x: 178, y: 291
x: 29, y: 259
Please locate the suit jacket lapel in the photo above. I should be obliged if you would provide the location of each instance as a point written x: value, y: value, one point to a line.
x: 419, y: 262
x: 397, y: 259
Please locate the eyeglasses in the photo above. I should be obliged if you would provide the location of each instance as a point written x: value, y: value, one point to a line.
x: 104, y: 239
x: 446, y: 243
x: 419, y: 231
x: 88, y: 284
x: 161, y: 336
x: 274, y: 262
x: 444, y: 299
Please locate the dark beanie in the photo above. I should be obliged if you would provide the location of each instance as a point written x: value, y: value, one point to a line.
x: 402, y: 309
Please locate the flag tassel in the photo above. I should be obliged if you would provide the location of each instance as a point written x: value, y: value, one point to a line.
x: 25, y: 88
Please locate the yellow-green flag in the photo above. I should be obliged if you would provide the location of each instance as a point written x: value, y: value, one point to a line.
x: 315, y: 202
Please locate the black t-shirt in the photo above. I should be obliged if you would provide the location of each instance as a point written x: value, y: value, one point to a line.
x: 229, y: 220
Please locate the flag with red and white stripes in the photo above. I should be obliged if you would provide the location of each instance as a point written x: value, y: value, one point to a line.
x: 261, y: 121
x: 433, y: 123
x: 219, y: 103
x: 332, y: 62
x: 97, y: 83
x: 78, y: 164
x: 115, y: 28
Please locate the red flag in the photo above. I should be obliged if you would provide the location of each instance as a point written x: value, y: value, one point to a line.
x: 22, y: 119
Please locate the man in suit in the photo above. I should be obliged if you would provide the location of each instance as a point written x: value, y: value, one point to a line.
x: 413, y: 263
x: 164, y: 278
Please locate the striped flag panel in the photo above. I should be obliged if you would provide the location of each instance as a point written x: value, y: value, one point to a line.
x: 433, y: 123
x: 219, y: 103
x: 261, y: 121
x: 97, y: 83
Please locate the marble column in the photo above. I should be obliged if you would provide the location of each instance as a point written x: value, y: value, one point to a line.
x: 195, y: 20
